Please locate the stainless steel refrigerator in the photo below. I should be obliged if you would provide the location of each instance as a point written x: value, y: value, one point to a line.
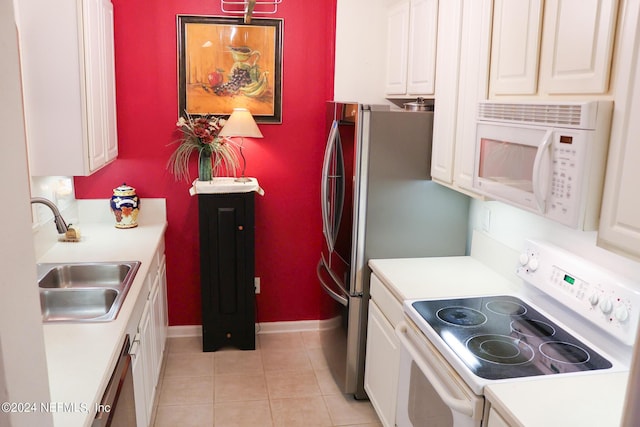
x: 377, y: 202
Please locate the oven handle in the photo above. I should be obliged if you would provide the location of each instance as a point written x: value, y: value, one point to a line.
x: 459, y: 405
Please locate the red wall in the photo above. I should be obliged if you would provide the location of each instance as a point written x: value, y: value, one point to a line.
x: 287, y: 161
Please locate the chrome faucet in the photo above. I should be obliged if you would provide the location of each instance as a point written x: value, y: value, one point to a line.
x: 57, y: 218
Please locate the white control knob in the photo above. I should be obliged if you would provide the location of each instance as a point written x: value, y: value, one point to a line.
x: 606, y: 305
x: 533, y: 264
x: 593, y: 299
x: 621, y: 313
x: 524, y: 258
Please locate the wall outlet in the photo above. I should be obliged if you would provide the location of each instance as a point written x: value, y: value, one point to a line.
x: 256, y: 284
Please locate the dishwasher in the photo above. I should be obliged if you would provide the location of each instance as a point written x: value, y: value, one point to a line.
x: 117, y: 407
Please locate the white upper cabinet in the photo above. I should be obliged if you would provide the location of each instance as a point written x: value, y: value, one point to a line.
x: 515, y: 47
x: 577, y: 46
x: 463, y: 59
x: 553, y: 47
x: 423, y: 24
x: 100, y: 80
x: 446, y: 103
x: 620, y: 214
x: 411, y: 47
x: 397, y: 48
x: 472, y: 83
x: 69, y: 85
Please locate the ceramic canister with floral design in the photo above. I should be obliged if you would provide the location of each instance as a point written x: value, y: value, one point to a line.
x: 125, y: 205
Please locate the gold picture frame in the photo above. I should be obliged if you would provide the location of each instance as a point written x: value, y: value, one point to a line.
x: 224, y: 63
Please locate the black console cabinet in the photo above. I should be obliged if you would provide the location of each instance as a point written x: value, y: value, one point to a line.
x: 227, y: 270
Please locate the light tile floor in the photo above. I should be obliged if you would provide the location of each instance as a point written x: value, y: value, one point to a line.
x: 283, y: 383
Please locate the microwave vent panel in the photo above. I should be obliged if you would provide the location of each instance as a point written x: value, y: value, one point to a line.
x: 579, y: 115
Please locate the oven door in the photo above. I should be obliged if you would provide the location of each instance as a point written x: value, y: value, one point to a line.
x: 430, y: 392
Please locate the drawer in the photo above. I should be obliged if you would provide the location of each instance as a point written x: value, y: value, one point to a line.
x: 389, y: 305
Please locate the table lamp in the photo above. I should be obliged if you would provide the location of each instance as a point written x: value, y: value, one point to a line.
x: 241, y: 123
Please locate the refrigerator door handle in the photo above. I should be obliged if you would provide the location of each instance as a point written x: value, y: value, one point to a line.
x: 329, y: 188
x: 333, y: 294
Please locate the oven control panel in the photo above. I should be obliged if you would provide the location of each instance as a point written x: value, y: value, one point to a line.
x: 590, y: 291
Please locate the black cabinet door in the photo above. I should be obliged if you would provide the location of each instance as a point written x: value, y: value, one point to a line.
x: 227, y: 270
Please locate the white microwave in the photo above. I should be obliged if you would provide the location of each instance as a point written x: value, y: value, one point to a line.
x: 548, y: 158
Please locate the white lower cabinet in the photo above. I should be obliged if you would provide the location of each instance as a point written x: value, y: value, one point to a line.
x: 496, y: 420
x: 149, y: 385
x: 382, y: 366
x: 383, y: 354
x: 148, y: 346
x: 138, y: 381
x: 158, y: 304
x: 162, y: 324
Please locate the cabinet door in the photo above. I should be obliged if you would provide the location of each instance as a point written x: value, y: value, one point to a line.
x: 423, y: 29
x: 496, y: 420
x: 111, y: 125
x: 139, y: 387
x: 474, y: 77
x: 515, y: 47
x: 382, y: 366
x: 446, y: 88
x: 397, y: 48
x: 227, y: 270
x: 156, y: 329
x: 620, y: 213
x: 93, y: 25
x: 164, y: 314
x: 100, y: 85
x: 577, y: 46
x: 147, y: 349
x: 72, y: 40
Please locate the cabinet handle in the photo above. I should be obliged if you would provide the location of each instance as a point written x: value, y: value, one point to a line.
x: 240, y: 227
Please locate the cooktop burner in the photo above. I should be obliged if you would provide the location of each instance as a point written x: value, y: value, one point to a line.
x: 499, y: 337
x: 461, y: 316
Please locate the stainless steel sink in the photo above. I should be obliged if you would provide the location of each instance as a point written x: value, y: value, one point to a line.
x: 84, y: 292
x: 83, y: 274
x: 77, y: 304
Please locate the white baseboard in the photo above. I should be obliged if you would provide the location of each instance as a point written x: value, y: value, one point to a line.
x: 294, y: 326
x: 184, y: 331
x: 262, y: 328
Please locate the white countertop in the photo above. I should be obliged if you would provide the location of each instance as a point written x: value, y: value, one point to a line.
x: 587, y: 400
x: 577, y: 401
x: 439, y: 277
x: 82, y: 356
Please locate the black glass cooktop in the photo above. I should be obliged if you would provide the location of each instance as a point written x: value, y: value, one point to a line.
x: 500, y: 337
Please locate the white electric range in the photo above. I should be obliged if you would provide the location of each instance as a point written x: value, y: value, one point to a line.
x: 569, y: 318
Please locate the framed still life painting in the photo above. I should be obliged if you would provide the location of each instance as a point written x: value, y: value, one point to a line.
x: 224, y: 63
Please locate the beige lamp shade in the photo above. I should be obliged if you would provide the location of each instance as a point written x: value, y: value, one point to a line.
x: 241, y: 123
